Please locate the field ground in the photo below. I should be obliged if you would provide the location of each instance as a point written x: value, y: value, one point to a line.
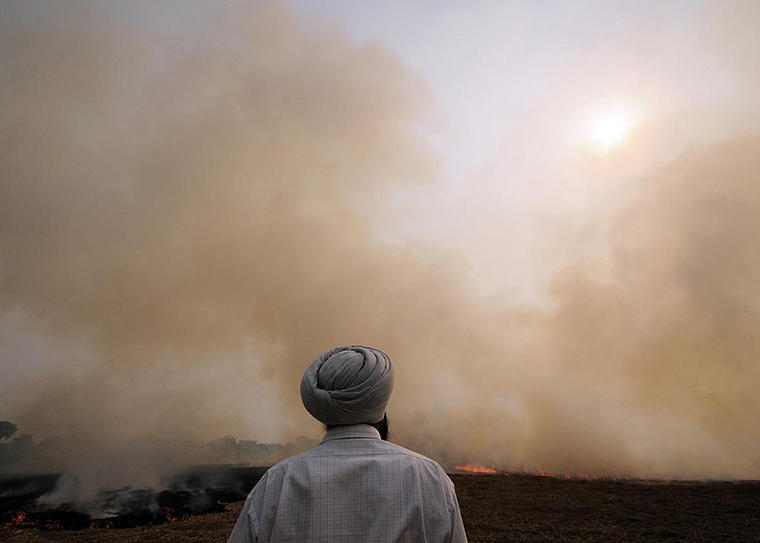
x: 499, y: 508
x: 532, y: 509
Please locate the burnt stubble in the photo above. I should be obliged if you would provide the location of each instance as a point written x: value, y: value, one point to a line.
x: 523, y: 508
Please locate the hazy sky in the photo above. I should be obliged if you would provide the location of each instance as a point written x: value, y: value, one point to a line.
x: 518, y: 86
x: 546, y: 212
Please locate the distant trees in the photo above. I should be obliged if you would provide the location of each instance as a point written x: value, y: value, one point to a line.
x: 15, y: 448
x: 7, y: 429
x: 228, y: 450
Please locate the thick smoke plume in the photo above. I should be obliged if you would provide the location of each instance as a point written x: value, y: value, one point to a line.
x: 191, y: 212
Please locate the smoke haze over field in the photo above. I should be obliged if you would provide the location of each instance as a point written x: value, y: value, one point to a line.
x: 195, y: 205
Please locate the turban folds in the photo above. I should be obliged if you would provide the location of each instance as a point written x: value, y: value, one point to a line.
x: 348, y: 385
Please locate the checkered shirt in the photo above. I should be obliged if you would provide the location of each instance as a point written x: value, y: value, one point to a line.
x: 352, y: 488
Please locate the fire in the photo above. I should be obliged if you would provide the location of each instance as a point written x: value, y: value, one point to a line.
x: 52, y: 525
x: 566, y: 476
x: 582, y: 476
x: 472, y: 468
x: 18, y: 519
x: 467, y: 467
x: 171, y: 515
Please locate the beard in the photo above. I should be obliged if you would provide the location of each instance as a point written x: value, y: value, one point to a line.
x: 383, y: 428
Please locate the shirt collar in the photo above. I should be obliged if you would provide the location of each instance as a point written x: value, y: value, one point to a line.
x: 352, y: 431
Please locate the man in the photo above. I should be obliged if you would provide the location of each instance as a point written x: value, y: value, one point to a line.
x: 354, y: 487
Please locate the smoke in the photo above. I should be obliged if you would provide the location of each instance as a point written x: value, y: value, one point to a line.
x: 191, y: 212
x: 669, y: 329
x: 179, y: 210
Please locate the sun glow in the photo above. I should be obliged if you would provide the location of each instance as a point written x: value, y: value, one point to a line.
x: 610, y: 129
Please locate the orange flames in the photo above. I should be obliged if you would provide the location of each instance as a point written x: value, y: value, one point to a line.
x: 472, y: 468
x: 18, y: 520
x: 567, y: 476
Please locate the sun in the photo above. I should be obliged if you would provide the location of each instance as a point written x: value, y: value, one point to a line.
x: 610, y: 129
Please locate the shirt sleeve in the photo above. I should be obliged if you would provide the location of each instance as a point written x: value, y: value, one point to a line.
x: 457, y: 526
x: 246, y: 528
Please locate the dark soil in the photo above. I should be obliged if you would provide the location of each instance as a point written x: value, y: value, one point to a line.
x: 501, y: 508
x: 498, y: 508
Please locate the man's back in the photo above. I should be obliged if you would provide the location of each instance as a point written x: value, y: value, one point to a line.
x: 352, y: 488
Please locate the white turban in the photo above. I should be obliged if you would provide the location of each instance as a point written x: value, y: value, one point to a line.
x: 348, y: 385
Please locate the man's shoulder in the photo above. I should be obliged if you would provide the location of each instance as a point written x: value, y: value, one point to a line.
x: 296, y: 458
x: 403, y: 451
x: 428, y: 465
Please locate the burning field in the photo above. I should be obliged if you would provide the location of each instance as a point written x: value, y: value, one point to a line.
x: 25, y: 500
x: 499, y: 508
x: 197, y: 198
